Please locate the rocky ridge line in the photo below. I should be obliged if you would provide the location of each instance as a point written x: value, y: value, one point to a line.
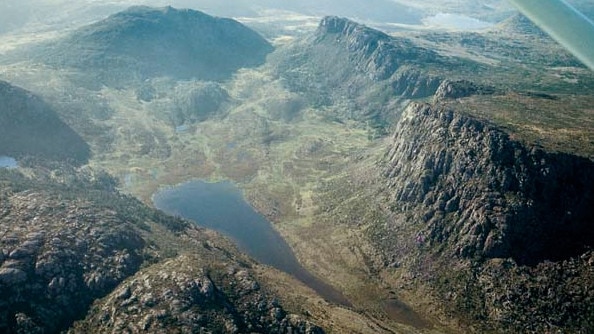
x: 508, y: 215
x: 75, y: 252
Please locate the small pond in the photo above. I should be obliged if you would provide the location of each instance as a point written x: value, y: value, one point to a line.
x: 456, y: 21
x: 221, y: 206
x: 7, y: 162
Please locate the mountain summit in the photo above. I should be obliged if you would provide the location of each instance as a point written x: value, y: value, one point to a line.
x: 143, y: 42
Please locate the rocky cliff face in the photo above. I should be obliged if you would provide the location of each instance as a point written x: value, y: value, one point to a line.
x: 67, y: 239
x: 347, y: 63
x: 370, y: 51
x: 475, y: 195
x: 489, y: 195
x: 455, y: 89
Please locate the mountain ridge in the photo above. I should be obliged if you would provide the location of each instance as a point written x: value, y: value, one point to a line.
x: 374, y: 52
x: 144, y: 42
x: 458, y: 216
x: 487, y: 203
x: 345, y: 62
x: 78, y: 256
x: 29, y: 127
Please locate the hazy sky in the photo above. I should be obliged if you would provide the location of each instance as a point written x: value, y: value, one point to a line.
x: 40, y: 15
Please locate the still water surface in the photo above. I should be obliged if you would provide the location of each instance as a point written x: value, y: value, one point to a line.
x: 7, y: 162
x: 221, y: 206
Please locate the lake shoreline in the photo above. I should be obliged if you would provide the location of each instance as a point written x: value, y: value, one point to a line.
x: 221, y: 206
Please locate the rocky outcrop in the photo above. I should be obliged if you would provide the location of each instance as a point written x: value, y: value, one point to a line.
x: 182, y: 294
x: 372, y: 52
x: 449, y: 89
x: 30, y: 127
x: 57, y: 256
x: 413, y: 84
x: 487, y: 195
x: 515, y: 220
x: 68, y: 241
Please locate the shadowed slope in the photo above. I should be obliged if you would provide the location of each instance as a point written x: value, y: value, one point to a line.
x: 29, y: 127
x: 144, y: 42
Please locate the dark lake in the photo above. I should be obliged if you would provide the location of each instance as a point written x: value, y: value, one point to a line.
x: 221, y: 206
x: 7, y: 162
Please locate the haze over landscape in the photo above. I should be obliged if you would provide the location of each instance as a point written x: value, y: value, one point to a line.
x: 43, y: 14
x: 388, y: 166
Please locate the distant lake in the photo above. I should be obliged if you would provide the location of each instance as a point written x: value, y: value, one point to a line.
x: 456, y: 21
x: 221, y: 206
x: 7, y: 162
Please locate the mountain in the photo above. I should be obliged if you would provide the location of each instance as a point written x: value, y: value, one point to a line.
x: 343, y: 51
x: 78, y: 256
x: 475, y: 196
x: 441, y: 181
x: 29, y: 127
x: 461, y: 209
x: 345, y: 62
x: 144, y: 42
x: 520, y: 24
x: 519, y: 202
x: 478, y: 198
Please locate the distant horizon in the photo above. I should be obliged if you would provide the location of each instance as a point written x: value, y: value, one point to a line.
x: 43, y: 15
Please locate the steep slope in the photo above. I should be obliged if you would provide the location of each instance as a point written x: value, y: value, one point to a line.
x: 488, y: 195
x: 366, y: 70
x: 144, y: 42
x: 370, y: 50
x: 68, y: 240
x: 30, y: 127
x: 514, y: 219
x: 481, y: 207
x: 462, y: 220
x: 348, y: 56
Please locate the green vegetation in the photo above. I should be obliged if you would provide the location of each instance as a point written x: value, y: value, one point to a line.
x: 557, y: 123
x: 305, y: 136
